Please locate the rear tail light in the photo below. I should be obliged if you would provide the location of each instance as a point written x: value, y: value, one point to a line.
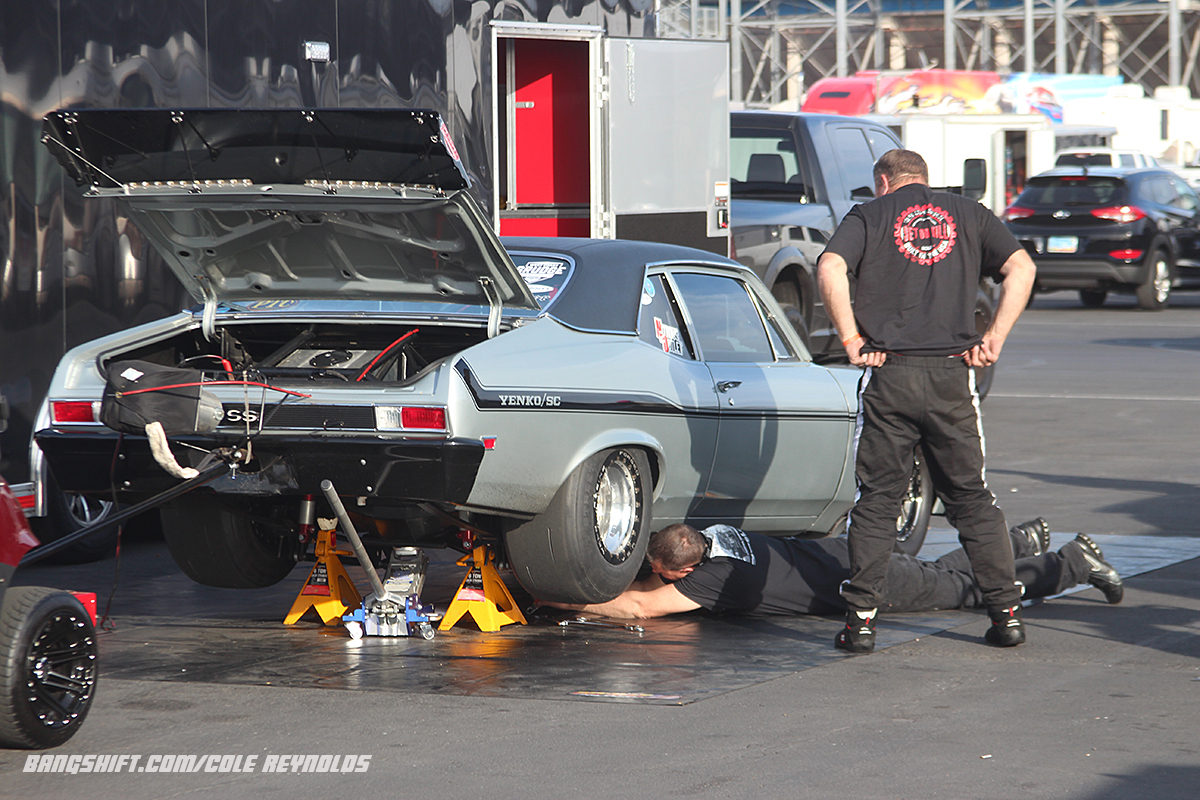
x: 1016, y: 212
x: 1127, y: 255
x: 68, y: 411
x: 410, y: 418
x: 1119, y: 213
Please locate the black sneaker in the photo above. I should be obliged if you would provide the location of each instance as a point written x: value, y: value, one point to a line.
x: 1037, y: 532
x: 1101, y: 574
x: 1007, y: 628
x: 859, y: 634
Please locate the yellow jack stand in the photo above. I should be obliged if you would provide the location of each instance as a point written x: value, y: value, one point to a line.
x: 483, y: 595
x: 328, y: 589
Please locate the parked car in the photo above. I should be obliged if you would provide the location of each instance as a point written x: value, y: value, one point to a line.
x: 1103, y: 157
x: 1102, y: 230
x: 558, y: 397
x: 47, y: 648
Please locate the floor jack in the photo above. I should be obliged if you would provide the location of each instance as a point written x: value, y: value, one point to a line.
x: 393, y: 609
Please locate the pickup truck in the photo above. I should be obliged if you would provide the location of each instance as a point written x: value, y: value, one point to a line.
x: 793, y: 176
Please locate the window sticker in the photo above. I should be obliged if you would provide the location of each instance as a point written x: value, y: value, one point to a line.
x: 647, y: 292
x: 544, y: 278
x: 668, y: 336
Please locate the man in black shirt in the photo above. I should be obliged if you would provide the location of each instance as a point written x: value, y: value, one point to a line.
x: 917, y: 257
x: 725, y: 570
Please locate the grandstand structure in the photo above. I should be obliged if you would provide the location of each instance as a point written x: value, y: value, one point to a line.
x: 780, y: 47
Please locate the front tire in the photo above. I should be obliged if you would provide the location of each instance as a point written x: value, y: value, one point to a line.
x: 47, y: 667
x: 1154, y: 293
x: 226, y: 546
x: 589, y: 543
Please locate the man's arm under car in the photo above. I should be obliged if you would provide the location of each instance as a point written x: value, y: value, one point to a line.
x: 645, y: 599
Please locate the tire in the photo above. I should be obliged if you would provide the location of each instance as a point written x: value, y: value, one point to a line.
x: 65, y: 514
x: 984, y: 376
x: 1154, y: 293
x: 1093, y: 298
x: 47, y: 667
x: 218, y: 544
x: 589, y: 543
x: 912, y: 523
x: 787, y: 294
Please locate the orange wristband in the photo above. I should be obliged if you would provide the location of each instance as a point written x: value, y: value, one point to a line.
x: 846, y: 342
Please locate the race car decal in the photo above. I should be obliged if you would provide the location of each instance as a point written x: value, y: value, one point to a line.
x: 668, y: 336
x: 488, y: 399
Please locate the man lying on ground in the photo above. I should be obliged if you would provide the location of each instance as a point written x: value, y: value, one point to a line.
x: 725, y: 570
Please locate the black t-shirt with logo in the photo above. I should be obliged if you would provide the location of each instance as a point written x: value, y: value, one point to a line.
x: 788, y: 576
x: 917, y: 257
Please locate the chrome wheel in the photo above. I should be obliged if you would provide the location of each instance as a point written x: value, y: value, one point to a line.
x: 617, y: 506
x: 912, y: 523
x: 86, y: 510
x: 1155, y: 292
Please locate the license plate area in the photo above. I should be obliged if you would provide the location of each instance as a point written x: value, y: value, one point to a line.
x: 1062, y: 244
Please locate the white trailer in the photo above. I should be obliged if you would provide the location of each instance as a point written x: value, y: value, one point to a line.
x: 1014, y: 147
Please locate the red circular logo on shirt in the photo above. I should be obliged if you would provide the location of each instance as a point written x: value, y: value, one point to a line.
x: 925, y: 234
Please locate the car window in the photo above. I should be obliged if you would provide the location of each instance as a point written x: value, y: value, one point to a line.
x: 765, y: 163
x: 1157, y: 189
x: 1073, y: 190
x: 880, y: 142
x: 659, y: 320
x: 1127, y: 160
x: 854, y: 160
x: 1185, y: 196
x: 724, y: 318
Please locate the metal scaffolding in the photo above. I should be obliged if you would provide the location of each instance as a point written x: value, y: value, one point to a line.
x: 780, y: 47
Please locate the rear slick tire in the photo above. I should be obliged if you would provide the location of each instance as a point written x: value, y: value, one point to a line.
x: 218, y: 545
x: 588, y: 545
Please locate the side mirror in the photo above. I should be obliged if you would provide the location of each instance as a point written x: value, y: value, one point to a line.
x: 974, y: 178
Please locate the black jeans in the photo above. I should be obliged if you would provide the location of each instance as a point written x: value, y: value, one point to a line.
x: 928, y: 401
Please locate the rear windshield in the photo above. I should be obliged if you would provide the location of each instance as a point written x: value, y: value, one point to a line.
x: 1074, y: 190
x: 1084, y: 159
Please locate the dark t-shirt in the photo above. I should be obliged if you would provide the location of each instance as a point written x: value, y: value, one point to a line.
x: 917, y: 257
x: 788, y: 576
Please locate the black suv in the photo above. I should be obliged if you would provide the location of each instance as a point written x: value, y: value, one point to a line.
x: 1102, y: 230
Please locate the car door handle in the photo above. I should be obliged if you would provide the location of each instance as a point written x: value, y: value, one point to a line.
x: 725, y: 386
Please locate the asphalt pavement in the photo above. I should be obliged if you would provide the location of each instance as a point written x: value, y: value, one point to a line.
x: 1091, y: 424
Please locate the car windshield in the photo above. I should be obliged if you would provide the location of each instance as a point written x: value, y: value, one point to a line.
x: 1074, y: 190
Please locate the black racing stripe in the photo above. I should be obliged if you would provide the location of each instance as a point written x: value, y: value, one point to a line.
x: 642, y: 404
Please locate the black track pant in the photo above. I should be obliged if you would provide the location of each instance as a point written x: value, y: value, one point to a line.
x: 916, y: 585
x: 930, y: 401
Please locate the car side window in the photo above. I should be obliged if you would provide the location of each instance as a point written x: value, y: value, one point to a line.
x: 659, y: 320
x: 855, y: 160
x: 725, y: 319
x: 1185, y: 197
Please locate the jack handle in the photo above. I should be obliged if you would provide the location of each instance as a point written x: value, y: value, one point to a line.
x: 360, y: 552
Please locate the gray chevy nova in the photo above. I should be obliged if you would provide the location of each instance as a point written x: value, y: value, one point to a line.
x: 359, y: 322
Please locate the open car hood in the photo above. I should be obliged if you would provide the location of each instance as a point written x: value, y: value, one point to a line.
x: 285, y: 204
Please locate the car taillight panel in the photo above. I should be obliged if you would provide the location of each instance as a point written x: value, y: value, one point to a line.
x: 410, y: 418
x: 75, y: 411
x: 1121, y: 214
x: 1016, y: 212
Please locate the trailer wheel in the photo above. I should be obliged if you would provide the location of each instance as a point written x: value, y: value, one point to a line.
x: 589, y: 543
x: 219, y: 544
x: 47, y: 667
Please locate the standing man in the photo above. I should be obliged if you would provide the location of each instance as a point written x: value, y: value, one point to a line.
x: 917, y: 257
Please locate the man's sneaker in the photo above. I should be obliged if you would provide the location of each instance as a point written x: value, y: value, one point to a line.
x: 1101, y: 574
x: 1007, y: 629
x: 1037, y: 532
x: 859, y: 634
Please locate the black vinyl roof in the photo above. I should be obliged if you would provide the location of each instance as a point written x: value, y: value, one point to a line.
x: 604, y: 292
x: 113, y: 147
